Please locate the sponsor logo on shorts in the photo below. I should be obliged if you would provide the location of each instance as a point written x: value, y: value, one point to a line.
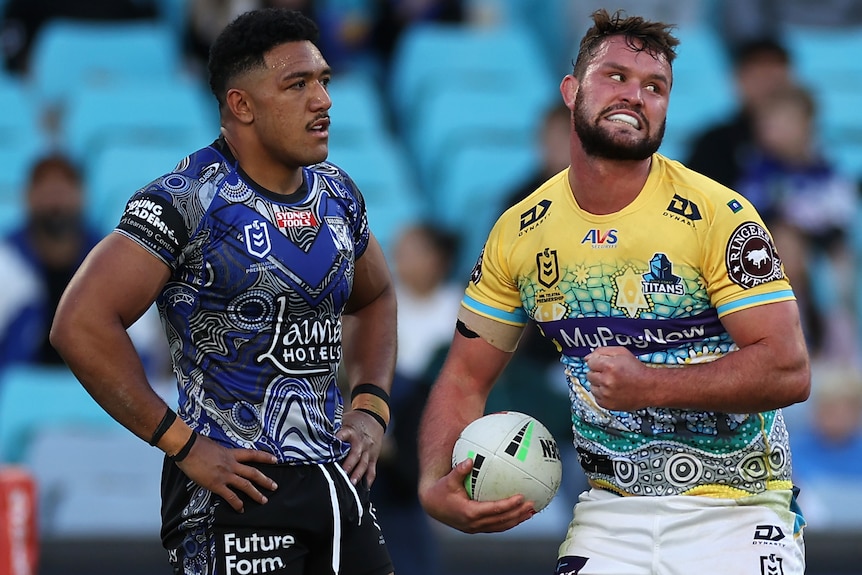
x: 570, y: 565
x: 769, y: 535
x: 255, y: 554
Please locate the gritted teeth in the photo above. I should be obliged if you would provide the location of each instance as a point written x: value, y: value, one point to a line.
x: 625, y: 119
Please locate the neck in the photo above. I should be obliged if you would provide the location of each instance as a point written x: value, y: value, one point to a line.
x: 266, y: 170
x: 603, y: 186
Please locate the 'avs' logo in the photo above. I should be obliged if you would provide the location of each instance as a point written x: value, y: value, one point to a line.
x: 257, y: 239
x: 600, y: 239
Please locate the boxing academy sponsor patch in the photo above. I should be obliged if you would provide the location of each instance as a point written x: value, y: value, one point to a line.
x: 751, y: 257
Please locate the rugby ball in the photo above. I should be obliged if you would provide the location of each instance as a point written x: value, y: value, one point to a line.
x: 512, y: 453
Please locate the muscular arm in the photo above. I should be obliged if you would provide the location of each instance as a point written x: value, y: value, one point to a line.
x: 369, y: 355
x: 457, y: 398
x: 117, y: 282
x: 770, y: 370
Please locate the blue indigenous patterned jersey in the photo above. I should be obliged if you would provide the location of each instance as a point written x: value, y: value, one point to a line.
x: 252, y: 310
x: 655, y: 277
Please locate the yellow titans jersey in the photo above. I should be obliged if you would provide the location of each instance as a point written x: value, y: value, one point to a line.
x: 655, y: 277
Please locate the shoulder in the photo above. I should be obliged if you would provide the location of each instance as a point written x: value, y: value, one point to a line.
x: 336, y: 176
x: 686, y: 181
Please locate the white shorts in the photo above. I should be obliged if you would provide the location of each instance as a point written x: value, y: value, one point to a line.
x: 681, y: 535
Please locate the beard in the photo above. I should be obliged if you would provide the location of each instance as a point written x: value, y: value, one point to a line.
x: 601, y: 143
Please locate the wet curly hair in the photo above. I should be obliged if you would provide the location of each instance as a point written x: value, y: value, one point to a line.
x: 642, y: 35
x: 241, y: 46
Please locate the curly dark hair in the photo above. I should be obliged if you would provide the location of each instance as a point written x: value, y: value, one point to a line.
x: 653, y: 37
x: 240, y: 47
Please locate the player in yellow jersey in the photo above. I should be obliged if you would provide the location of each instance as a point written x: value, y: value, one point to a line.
x: 678, y: 331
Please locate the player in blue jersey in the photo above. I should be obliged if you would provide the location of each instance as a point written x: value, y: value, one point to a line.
x: 268, y: 281
x: 678, y: 331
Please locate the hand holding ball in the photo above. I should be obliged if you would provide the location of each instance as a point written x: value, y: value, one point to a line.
x: 512, y: 453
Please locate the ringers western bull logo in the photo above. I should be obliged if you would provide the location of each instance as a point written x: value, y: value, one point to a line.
x: 751, y: 257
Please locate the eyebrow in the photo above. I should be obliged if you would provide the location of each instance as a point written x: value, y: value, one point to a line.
x: 327, y: 71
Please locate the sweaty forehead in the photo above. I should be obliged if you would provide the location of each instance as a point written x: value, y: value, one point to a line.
x: 295, y: 57
x: 618, y: 50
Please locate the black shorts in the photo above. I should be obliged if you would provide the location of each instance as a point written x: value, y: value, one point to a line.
x: 316, y: 522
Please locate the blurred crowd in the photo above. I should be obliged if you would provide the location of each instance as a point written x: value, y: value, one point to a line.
x: 769, y: 146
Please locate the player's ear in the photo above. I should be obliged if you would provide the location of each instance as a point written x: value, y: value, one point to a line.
x: 238, y: 102
x: 569, y: 90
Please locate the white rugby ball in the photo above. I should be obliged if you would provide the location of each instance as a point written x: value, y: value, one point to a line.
x: 512, y: 453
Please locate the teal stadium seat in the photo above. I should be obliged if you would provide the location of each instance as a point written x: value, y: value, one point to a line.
x: 173, y: 114
x: 358, y: 113
x: 828, y: 63
x: 119, y: 171
x: 21, y: 140
x: 826, y: 57
x: 67, y: 54
x: 434, y: 57
x: 454, y: 120
x: 471, y: 196
x: 384, y: 177
x: 33, y: 398
x: 839, y: 124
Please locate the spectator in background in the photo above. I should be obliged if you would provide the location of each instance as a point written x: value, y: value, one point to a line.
x: 428, y: 300
x: 205, y: 19
x: 428, y: 304
x: 23, y: 19
x: 39, y: 259
x: 827, y: 447
x: 393, y: 17
x: 810, y: 209
x: 760, y: 67
x: 553, y: 141
x: 742, y: 20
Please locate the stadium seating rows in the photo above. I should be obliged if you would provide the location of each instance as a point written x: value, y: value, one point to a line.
x: 449, y: 135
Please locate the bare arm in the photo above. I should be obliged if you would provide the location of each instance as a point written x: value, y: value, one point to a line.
x: 457, y: 398
x: 770, y: 370
x: 114, y: 286
x: 369, y: 356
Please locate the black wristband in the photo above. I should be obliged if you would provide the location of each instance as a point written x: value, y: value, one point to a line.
x: 183, y: 453
x: 375, y: 415
x: 372, y: 389
x: 164, y: 425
